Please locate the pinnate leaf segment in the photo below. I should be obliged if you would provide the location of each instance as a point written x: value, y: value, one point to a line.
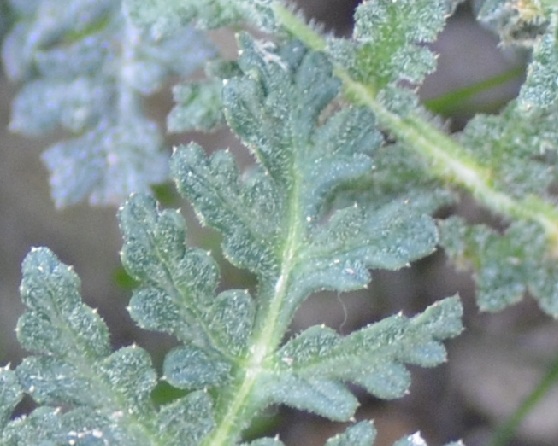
x: 328, y: 199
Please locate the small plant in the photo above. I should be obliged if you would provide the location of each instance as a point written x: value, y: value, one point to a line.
x: 349, y: 170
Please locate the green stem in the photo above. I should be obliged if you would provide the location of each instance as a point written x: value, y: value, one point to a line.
x: 271, y: 325
x: 448, y: 102
x: 505, y: 433
x: 448, y: 160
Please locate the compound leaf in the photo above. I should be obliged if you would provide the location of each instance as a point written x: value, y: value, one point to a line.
x: 57, y: 323
x: 178, y: 292
x: 518, y: 148
x: 305, y: 154
x: 85, y: 69
x: 106, y: 397
x: 506, y: 265
x: 372, y: 357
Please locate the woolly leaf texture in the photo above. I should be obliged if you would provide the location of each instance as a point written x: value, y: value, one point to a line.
x: 300, y: 220
x: 518, y: 148
x: 506, y: 161
x: 85, y: 68
x: 166, y: 16
x: 328, y: 198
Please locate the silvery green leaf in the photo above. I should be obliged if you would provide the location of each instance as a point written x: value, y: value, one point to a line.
x: 190, y: 367
x: 187, y: 420
x: 57, y: 322
x: 518, y: 150
x: 390, y: 38
x: 198, y: 107
x: 11, y: 394
x: 223, y: 201
x: 105, y: 396
x: 305, y: 153
x: 374, y: 356
x: 163, y: 17
x: 178, y: 292
x: 506, y: 265
x: 518, y: 146
x: 53, y: 381
x: 85, y: 69
x: 359, y: 434
x: 329, y: 399
x: 538, y: 90
x: 385, y: 237
x: 87, y: 167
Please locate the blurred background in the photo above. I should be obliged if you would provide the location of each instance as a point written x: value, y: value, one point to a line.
x: 492, y: 366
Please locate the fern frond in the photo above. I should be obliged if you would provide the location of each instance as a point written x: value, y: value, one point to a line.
x: 388, y: 43
x: 288, y: 221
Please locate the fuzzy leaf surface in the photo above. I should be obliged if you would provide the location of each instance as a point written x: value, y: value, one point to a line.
x: 390, y: 38
x: 518, y: 148
x: 106, y: 396
x: 162, y: 17
x: 85, y: 69
x: 506, y: 266
x: 304, y: 153
x: 289, y: 220
x: 372, y: 357
x: 198, y: 107
x: 10, y: 395
x: 519, y: 145
x: 178, y: 292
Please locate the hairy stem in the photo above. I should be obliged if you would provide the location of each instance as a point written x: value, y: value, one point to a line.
x: 271, y: 325
x: 447, y: 158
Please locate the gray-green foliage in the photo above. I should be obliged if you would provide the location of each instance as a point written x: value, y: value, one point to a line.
x: 299, y: 221
x: 329, y: 198
x: 166, y: 16
x: 386, y: 41
x: 507, y: 161
x: 85, y: 69
x: 517, y: 22
x: 518, y: 149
